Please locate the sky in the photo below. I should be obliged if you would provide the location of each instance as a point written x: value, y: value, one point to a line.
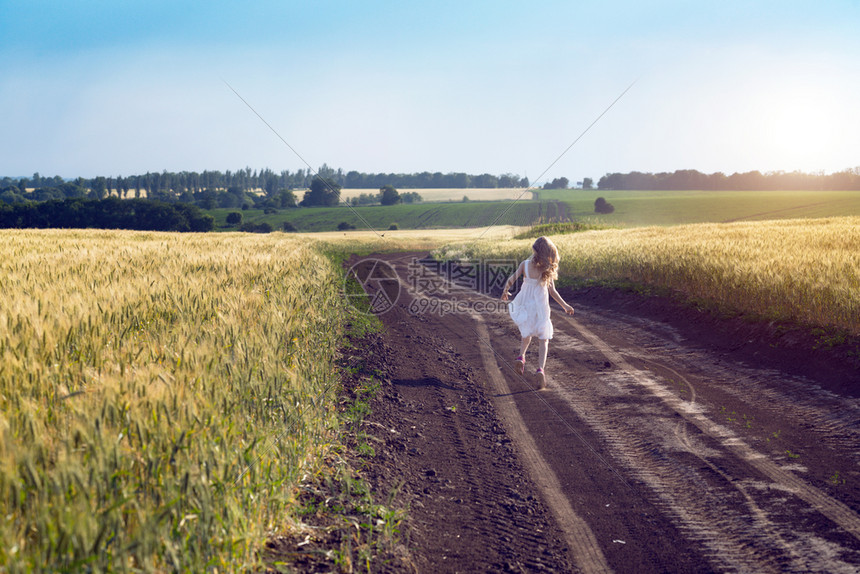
x: 541, y: 89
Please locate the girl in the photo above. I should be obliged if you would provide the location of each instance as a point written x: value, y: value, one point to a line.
x: 530, y: 308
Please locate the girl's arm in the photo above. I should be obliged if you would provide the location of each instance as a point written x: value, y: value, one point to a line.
x: 511, y: 280
x: 567, y: 308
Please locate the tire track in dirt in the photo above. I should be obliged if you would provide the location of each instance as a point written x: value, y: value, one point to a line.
x: 833, y: 509
x: 472, y: 505
x: 678, y: 484
x: 741, y: 548
x: 583, y: 544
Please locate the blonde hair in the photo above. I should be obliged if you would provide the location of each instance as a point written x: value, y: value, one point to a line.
x: 545, y: 256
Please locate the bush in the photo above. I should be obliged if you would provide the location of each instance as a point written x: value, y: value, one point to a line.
x: 344, y: 226
x: 288, y: 227
x: 603, y: 206
x: 393, y: 227
x: 234, y: 218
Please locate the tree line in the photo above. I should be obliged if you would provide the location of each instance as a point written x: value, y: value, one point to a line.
x: 173, y: 185
x: 691, y: 179
x: 427, y: 180
x: 110, y: 213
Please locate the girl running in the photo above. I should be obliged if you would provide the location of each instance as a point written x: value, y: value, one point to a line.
x: 530, y: 308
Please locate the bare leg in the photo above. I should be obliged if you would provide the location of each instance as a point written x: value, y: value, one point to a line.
x: 524, y: 346
x: 543, y: 345
x: 521, y: 360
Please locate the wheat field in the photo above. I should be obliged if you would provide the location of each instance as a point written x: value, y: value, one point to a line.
x: 160, y: 395
x: 802, y: 270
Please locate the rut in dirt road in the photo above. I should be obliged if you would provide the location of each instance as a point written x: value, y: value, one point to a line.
x: 656, y: 453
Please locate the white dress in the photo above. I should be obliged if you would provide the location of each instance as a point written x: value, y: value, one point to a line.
x: 530, y: 308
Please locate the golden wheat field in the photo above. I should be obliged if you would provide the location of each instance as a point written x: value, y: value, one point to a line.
x: 160, y: 395
x: 805, y: 270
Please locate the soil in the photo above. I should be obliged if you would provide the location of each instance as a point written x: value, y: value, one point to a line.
x: 668, y: 439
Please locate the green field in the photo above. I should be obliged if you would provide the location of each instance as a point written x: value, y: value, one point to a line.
x: 406, y: 216
x: 643, y: 208
x: 632, y: 209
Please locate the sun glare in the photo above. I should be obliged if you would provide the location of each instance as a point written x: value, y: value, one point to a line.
x: 798, y: 128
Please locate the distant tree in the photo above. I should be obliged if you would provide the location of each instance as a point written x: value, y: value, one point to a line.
x: 388, y: 195
x: 234, y: 218
x: 557, y: 183
x: 46, y: 194
x: 365, y: 199
x: 485, y: 180
x: 205, y: 198
x: 11, y: 194
x: 227, y: 200
x: 72, y: 190
x: 460, y: 180
x: 323, y: 193
x: 411, y: 197
x: 587, y: 183
x: 509, y: 180
x: 286, y: 198
x: 288, y: 227
x: 99, y: 188
x: 603, y: 206
x: 345, y: 226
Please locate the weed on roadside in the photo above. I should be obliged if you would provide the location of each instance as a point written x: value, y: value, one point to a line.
x: 340, y: 523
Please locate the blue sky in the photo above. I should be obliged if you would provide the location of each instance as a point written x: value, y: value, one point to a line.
x: 115, y: 88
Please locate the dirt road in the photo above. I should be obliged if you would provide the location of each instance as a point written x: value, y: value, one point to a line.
x: 666, y: 441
